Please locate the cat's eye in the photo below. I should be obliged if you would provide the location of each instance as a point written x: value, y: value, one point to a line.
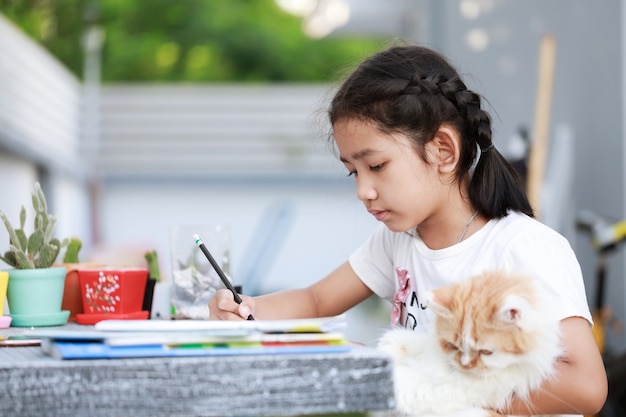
x: 450, y: 346
x: 485, y: 352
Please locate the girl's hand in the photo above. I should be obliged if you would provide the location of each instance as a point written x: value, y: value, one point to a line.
x: 223, y: 306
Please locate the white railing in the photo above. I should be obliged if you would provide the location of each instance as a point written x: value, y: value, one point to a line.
x: 215, y: 131
x: 40, y: 102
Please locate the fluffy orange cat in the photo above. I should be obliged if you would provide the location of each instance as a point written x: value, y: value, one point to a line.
x: 493, y: 337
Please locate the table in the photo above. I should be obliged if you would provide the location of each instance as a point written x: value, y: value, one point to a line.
x: 37, y: 385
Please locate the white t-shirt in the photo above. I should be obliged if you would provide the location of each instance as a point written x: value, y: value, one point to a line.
x: 516, y: 243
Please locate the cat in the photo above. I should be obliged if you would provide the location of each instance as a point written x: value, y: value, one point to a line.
x: 493, y: 337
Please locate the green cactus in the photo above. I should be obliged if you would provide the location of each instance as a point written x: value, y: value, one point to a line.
x: 39, y: 250
x: 153, y: 265
x: 71, y: 252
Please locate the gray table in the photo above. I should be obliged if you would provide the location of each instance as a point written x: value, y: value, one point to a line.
x: 37, y: 385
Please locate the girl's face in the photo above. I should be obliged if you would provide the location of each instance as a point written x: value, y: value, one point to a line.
x: 396, y: 185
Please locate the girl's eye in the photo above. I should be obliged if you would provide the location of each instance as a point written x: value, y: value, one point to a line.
x: 372, y: 168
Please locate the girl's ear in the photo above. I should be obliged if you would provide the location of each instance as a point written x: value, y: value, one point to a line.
x: 446, y: 146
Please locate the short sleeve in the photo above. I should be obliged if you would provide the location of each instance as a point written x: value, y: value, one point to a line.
x: 548, y: 257
x: 373, y: 263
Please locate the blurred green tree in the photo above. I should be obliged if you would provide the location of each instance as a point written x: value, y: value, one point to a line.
x: 188, y: 40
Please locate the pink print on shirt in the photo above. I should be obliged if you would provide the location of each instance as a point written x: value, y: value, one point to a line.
x: 401, y: 294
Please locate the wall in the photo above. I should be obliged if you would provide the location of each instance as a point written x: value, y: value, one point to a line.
x: 323, y: 225
x: 17, y: 177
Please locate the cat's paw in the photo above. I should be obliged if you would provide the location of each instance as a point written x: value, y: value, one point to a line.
x: 391, y: 343
x: 400, y: 343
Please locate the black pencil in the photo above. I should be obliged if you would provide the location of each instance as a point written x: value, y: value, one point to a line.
x: 219, y: 271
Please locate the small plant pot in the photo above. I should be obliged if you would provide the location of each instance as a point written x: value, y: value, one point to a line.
x: 162, y: 301
x: 35, y: 295
x: 108, y: 293
x: 72, y: 299
x: 149, y: 295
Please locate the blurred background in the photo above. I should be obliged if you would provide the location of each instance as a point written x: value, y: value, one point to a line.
x: 137, y: 116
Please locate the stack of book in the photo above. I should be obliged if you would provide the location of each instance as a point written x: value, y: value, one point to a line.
x: 166, y: 338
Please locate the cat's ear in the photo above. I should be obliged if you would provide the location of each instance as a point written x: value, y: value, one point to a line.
x: 512, y: 309
x: 439, y: 301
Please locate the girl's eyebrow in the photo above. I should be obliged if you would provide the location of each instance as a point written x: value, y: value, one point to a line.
x: 358, y: 155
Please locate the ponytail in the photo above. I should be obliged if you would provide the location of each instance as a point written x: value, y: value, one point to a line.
x: 495, y: 186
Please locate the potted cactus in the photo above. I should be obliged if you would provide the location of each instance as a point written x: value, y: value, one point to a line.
x: 35, y: 288
x: 40, y: 249
x: 72, y: 298
x: 154, y: 276
x: 157, y: 299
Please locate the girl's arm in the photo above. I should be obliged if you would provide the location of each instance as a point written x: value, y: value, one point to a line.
x: 336, y: 293
x: 580, y: 385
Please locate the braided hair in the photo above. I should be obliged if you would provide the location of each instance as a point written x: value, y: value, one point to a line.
x: 413, y: 90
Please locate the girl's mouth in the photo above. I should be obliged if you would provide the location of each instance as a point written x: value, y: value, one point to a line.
x: 380, y: 215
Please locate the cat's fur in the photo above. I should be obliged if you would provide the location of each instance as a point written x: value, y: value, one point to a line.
x: 493, y: 337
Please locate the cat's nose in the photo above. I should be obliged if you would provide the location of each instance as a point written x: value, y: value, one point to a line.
x: 467, y: 361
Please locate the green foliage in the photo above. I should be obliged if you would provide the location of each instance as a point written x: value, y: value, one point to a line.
x: 153, y: 265
x: 39, y: 250
x: 71, y: 252
x: 191, y: 40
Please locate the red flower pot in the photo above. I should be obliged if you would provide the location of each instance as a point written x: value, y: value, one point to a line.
x: 112, y: 293
x: 72, y: 298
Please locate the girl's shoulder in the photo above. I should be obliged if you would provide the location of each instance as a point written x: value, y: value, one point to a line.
x: 521, y: 228
x: 516, y: 222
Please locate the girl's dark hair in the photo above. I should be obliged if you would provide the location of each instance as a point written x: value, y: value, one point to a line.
x: 413, y: 90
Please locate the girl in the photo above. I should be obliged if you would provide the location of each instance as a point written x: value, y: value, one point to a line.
x: 419, y: 147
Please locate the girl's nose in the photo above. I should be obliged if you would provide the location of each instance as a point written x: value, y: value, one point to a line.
x: 365, y: 191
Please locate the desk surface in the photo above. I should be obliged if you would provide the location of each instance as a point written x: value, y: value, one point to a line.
x: 263, y: 385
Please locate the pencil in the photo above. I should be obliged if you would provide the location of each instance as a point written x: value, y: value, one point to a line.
x: 219, y: 271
